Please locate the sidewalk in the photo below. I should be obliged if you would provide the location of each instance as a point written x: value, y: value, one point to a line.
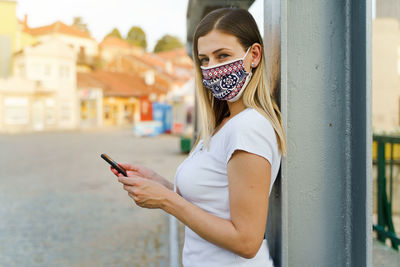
x: 61, y: 205
x: 384, y: 256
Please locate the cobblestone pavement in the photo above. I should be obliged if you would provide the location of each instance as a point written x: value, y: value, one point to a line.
x: 61, y: 206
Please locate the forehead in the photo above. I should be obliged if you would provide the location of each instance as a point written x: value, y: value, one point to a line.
x: 215, y: 40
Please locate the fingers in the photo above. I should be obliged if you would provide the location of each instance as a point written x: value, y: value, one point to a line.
x: 131, y: 180
x: 132, y: 193
x: 132, y: 173
x: 135, y: 198
x: 130, y: 189
x: 114, y: 170
x: 129, y: 167
x: 129, y: 173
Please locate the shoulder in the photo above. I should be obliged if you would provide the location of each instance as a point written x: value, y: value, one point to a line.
x: 252, y: 132
x: 250, y: 120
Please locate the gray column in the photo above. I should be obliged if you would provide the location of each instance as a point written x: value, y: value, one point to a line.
x: 325, y: 192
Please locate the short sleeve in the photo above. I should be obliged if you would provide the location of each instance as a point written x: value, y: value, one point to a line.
x: 251, y: 134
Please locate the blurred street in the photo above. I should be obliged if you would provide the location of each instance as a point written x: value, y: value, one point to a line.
x: 61, y: 206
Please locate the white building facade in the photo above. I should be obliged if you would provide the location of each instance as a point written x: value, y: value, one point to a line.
x: 386, y: 75
x: 43, y: 93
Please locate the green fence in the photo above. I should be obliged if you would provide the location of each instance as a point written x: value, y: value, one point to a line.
x: 386, y: 155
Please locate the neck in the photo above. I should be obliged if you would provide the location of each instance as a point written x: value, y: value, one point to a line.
x: 235, y: 107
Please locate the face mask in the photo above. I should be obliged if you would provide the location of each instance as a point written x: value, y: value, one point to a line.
x: 227, y: 80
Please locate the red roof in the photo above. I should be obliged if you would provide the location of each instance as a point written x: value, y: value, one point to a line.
x: 115, y: 42
x: 118, y: 84
x: 87, y: 80
x: 178, y: 56
x: 171, y: 54
x: 138, y: 64
x: 59, y: 27
x: 151, y: 60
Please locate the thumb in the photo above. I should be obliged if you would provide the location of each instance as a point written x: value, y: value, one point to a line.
x: 127, y: 166
x: 131, y: 167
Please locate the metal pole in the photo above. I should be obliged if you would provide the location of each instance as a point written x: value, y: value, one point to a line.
x: 173, y: 242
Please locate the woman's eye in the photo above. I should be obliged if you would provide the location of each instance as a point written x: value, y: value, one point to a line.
x: 203, y: 61
x: 223, y: 56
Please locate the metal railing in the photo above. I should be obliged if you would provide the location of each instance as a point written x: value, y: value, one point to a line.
x: 386, y: 154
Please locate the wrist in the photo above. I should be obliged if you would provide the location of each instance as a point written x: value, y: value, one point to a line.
x: 165, y: 182
x: 170, y: 201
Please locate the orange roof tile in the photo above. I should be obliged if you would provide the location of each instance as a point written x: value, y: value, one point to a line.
x: 120, y: 84
x: 59, y: 27
x: 178, y: 56
x: 114, y: 41
x: 150, y: 60
x: 138, y: 64
x: 171, y: 54
x: 87, y: 80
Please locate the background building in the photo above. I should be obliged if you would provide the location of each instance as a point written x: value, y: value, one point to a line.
x: 386, y: 75
x: 112, y: 47
x: 45, y: 84
x: 82, y: 43
x: 8, y: 30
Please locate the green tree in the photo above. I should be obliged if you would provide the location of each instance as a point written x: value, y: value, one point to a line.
x: 167, y: 42
x: 137, y: 36
x: 115, y: 32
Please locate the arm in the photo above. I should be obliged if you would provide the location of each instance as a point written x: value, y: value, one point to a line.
x: 249, y: 181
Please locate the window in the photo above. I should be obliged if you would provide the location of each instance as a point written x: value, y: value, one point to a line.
x: 16, y: 110
x: 106, y: 112
x: 36, y: 70
x: 47, y: 70
x: 21, y: 70
x: 66, y: 111
x: 149, y: 77
x: 67, y: 72
x: 64, y: 72
x: 50, y: 113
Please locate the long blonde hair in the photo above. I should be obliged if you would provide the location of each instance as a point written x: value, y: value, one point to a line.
x: 257, y: 95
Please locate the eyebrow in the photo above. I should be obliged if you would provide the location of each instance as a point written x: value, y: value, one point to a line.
x: 216, y: 51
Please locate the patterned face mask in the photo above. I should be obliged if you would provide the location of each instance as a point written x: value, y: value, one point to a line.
x: 227, y: 80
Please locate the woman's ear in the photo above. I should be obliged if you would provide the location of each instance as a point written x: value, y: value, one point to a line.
x: 255, y: 52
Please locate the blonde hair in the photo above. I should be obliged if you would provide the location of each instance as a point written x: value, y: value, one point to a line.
x: 257, y: 95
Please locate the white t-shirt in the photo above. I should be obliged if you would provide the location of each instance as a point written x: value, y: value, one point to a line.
x: 202, y: 179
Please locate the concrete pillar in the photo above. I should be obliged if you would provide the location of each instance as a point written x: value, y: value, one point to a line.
x: 321, y: 209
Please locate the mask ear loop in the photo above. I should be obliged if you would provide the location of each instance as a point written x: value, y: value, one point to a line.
x: 248, y: 49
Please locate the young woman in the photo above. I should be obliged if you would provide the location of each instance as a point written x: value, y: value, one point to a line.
x: 221, y: 189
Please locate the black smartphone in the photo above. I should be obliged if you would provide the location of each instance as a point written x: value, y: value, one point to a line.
x: 114, y: 164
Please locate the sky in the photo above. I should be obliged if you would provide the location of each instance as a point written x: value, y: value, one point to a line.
x: 156, y: 17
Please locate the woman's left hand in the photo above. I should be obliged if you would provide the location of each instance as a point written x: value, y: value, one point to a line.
x: 145, y: 192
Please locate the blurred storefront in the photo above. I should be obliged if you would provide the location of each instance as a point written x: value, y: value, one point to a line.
x: 121, y: 98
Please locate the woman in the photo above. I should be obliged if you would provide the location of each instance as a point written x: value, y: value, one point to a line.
x: 221, y: 189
